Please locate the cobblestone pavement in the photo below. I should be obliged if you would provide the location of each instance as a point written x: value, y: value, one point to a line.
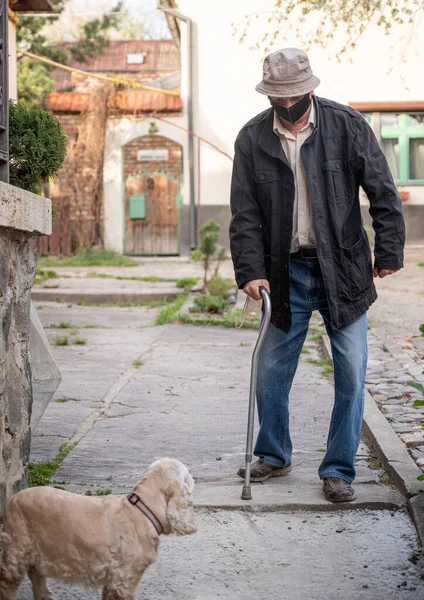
x: 394, y: 364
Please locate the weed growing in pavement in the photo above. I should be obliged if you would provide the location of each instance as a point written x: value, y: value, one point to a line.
x: 384, y: 478
x: 206, y: 303
x: 305, y: 351
x: 91, y: 257
x: 60, y: 340
x: 103, y: 492
x: 62, y: 400
x: 229, y: 321
x: 90, y: 326
x: 316, y: 337
x: 137, y: 363
x: 374, y: 464
x: 43, y: 275
x: 81, y: 302
x: 245, y: 344
x: 321, y: 450
x: 220, y: 287
x: 170, y: 313
x: 325, y: 363
x: 66, y: 325
x: 149, y: 278
x: 421, y: 264
x: 80, y: 341
x: 187, y: 283
x: 40, y: 473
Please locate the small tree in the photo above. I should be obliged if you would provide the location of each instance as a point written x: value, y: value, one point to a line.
x: 209, y: 251
x: 37, y: 146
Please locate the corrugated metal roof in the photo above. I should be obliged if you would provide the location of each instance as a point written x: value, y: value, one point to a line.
x: 131, y: 101
x: 159, y: 55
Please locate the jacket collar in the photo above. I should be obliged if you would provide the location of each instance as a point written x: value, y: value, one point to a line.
x: 271, y: 144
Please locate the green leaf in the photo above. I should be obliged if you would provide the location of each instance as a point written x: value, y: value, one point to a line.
x: 420, y: 477
x: 418, y: 403
x: 417, y: 386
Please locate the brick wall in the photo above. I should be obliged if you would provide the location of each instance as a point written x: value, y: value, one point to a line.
x: 172, y: 166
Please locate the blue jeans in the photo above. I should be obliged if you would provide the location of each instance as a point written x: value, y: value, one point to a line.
x: 278, y: 362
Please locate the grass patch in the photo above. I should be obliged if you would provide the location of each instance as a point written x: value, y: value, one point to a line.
x: 206, y: 303
x: 62, y: 400
x: 245, y: 344
x: 80, y: 341
x: 316, y: 337
x: 90, y: 326
x: 44, y: 274
x: 66, y: 325
x: 220, y: 287
x: 305, y: 351
x: 91, y: 257
x: 137, y: 363
x: 374, y: 464
x: 421, y: 264
x: 321, y: 450
x: 60, y: 340
x: 384, y: 478
x: 81, y: 302
x: 325, y: 364
x: 186, y: 283
x: 40, y: 473
x: 103, y: 492
x: 170, y: 313
x: 418, y: 403
x: 228, y: 321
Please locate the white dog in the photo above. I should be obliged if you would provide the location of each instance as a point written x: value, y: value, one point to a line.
x: 107, y: 542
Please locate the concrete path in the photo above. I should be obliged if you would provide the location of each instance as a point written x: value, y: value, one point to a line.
x: 189, y: 399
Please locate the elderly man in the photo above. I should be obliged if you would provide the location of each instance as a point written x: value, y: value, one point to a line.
x: 297, y: 230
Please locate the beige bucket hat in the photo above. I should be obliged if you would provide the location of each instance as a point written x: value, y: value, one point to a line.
x: 287, y: 72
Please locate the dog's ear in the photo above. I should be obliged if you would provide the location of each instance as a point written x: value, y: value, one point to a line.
x: 180, y: 513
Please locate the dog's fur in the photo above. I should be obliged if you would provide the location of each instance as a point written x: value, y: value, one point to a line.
x: 92, y: 541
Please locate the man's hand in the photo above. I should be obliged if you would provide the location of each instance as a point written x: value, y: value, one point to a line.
x: 251, y: 288
x: 383, y: 272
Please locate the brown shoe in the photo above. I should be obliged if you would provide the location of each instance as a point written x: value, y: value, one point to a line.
x: 338, y: 490
x: 261, y: 471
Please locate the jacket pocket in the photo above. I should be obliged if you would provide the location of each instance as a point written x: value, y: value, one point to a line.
x: 267, y: 181
x: 336, y: 176
x: 357, y: 263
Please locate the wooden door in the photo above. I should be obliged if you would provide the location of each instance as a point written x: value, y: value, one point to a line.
x: 151, y: 215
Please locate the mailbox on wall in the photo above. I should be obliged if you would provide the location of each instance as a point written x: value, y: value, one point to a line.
x: 137, y: 207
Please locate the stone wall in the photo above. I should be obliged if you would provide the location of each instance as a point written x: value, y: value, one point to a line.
x: 22, y: 215
x: 17, y: 271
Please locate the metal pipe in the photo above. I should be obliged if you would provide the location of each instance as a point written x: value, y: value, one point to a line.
x: 193, y: 211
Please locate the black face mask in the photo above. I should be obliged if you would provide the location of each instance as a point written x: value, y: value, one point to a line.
x: 295, y: 112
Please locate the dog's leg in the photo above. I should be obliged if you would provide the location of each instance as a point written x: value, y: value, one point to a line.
x: 123, y: 591
x: 10, y: 581
x: 39, y: 585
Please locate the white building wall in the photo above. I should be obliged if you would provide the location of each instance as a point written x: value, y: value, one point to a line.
x: 13, y: 76
x: 118, y: 133
x: 226, y: 73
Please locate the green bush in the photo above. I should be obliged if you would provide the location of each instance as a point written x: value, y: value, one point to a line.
x: 220, y: 287
x: 205, y: 303
x: 37, y: 146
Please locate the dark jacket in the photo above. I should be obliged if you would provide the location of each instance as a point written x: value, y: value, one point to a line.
x: 340, y: 155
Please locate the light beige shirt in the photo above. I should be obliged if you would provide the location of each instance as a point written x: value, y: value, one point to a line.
x: 303, y: 233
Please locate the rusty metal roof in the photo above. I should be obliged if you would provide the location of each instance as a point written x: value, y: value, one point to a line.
x: 159, y: 55
x: 126, y: 101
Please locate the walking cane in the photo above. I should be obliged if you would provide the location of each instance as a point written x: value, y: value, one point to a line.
x: 247, y: 492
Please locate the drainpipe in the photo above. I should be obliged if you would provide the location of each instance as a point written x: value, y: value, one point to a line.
x: 193, y: 213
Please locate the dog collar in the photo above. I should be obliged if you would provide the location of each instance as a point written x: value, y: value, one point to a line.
x: 137, y: 501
